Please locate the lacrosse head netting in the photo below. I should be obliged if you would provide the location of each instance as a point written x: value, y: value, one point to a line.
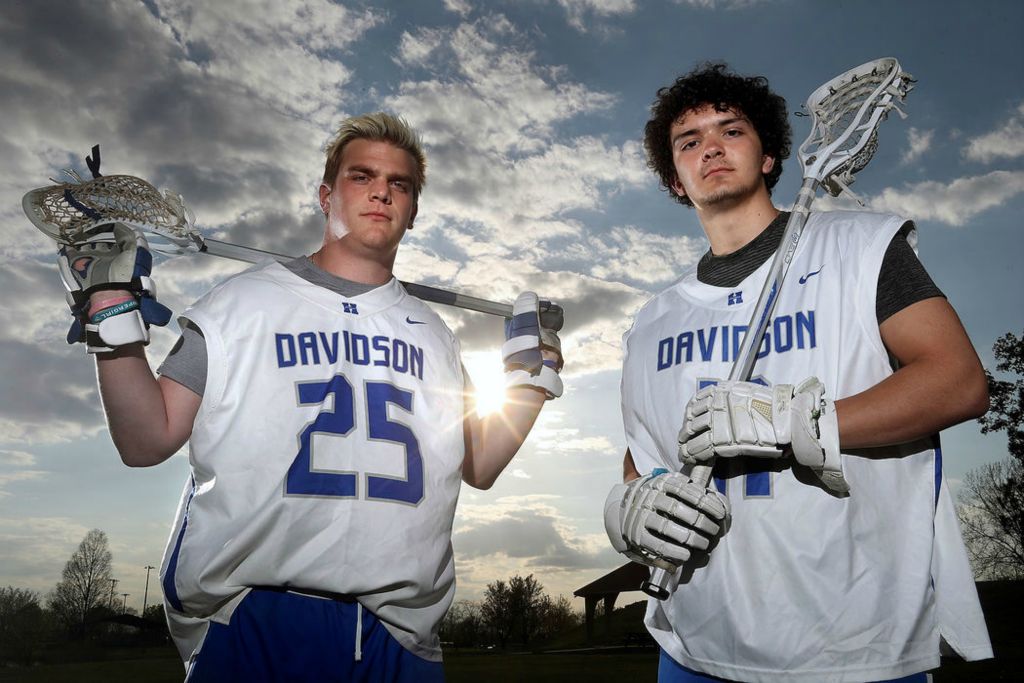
x: 846, y: 114
x: 68, y: 212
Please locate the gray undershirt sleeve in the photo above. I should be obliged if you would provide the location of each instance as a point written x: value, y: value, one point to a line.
x: 186, y: 362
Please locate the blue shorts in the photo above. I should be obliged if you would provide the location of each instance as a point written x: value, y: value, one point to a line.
x: 671, y: 671
x: 280, y: 636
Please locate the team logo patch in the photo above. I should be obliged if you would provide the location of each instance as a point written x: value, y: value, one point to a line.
x: 347, y: 307
x: 735, y: 298
x: 804, y: 278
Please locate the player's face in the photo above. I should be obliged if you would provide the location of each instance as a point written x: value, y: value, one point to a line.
x: 372, y: 202
x: 717, y: 157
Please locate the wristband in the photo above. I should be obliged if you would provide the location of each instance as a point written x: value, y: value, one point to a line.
x: 117, y: 309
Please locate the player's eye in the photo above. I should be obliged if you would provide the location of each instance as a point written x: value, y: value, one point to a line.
x: 359, y: 177
x: 400, y: 185
x: 686, y: 145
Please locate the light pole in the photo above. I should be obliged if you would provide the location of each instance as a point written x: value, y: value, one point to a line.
x: 113, y: 583
x: 124, y: 605
x: 145, y: 595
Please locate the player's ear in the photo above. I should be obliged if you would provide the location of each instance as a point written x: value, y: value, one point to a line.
x: 412, y: 216
x: 325, y: 198
x: 767, y: 164
x: 677, y: 186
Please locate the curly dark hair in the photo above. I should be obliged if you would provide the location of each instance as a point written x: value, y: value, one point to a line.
x: 714, y: 84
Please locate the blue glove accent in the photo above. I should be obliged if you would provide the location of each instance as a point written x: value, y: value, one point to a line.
x: 77, y: 331
x: 143, y: 263
x: 658, y: 471
x: 154, y: 312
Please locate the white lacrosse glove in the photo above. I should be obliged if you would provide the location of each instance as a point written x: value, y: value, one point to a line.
x: 744, y: 418
x: 528, y: 333
x: 658, y: 520
x: 114, y: 257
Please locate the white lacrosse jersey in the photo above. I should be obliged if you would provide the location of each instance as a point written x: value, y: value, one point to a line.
x: 804, y: 585
x: 326, y: 456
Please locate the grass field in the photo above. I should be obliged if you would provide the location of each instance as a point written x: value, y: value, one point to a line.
x: 460, y: 668
x: 1001, y: 601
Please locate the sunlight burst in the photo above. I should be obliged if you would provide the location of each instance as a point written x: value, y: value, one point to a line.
x: 488, y: 377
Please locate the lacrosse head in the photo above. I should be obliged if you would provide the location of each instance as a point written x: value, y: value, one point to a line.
x: 846, y: 114
x: 68, y: 212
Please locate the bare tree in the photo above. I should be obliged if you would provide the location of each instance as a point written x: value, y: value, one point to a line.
x: 991, y: 506
x: 557, y: 616
x: 990, y: 511
x: 21, y: 624
x: 85, y: 582
x: 463, y: 625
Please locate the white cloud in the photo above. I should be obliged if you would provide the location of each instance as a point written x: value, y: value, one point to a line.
x: 953, y: 203
x: 276, y: 51
x: 21, y: 475
x: 719, y: 4
x: 629, y: 254
x: 460, y: 7
x: 1007, y: 142
x: 36, y: 549
x: 580, y: 12
x: 17, y: 458
x: 568, y: 440
x: 918, y: 142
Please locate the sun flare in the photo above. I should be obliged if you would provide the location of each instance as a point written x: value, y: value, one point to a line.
x: 488, y: 377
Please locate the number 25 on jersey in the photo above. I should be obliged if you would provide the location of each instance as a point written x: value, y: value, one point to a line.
x: 339, y: 420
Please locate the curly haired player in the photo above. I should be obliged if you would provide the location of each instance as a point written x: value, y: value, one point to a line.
x: 827, y: 546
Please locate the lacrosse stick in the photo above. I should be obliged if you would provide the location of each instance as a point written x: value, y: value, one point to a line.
x: 66, y: 212
x: 846, y: 114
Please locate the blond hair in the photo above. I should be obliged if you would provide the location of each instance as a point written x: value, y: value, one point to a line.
x: 379, y: 127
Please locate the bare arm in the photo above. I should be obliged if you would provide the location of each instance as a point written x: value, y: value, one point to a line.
x: 149, y: 419
x: 629, y: 470
x: 492, y: 441
x: 940, y: 381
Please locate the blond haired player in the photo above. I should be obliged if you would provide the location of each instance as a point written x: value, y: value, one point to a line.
x: 328, y: 434
x: 827, y: 546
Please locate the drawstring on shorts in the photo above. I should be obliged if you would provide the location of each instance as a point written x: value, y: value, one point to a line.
x: 359, y: 631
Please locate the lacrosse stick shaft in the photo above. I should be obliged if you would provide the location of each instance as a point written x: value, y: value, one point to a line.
x: 747, y: 354
x: 657, y: 585
x: 432, y: 294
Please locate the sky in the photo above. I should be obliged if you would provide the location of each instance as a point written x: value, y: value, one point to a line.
x: 532, y: 113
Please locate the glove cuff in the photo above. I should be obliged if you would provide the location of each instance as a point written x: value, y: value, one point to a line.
x: 547, y: 380
x: 618, y: 499
x: 613, y: 516
x: 117, y: 329
x: 832, y: 468
x: 815, y: 433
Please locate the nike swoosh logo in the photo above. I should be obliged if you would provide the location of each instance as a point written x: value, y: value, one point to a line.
x: 414, y: 322
x: 805, y: 278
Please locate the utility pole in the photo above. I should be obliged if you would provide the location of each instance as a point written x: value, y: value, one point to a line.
x: 145, y: 595
x: 113, y: 583
x: 124, y: 605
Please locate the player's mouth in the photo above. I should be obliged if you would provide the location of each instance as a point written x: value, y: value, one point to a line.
x: 377, y: 216
x: 716, y: 170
